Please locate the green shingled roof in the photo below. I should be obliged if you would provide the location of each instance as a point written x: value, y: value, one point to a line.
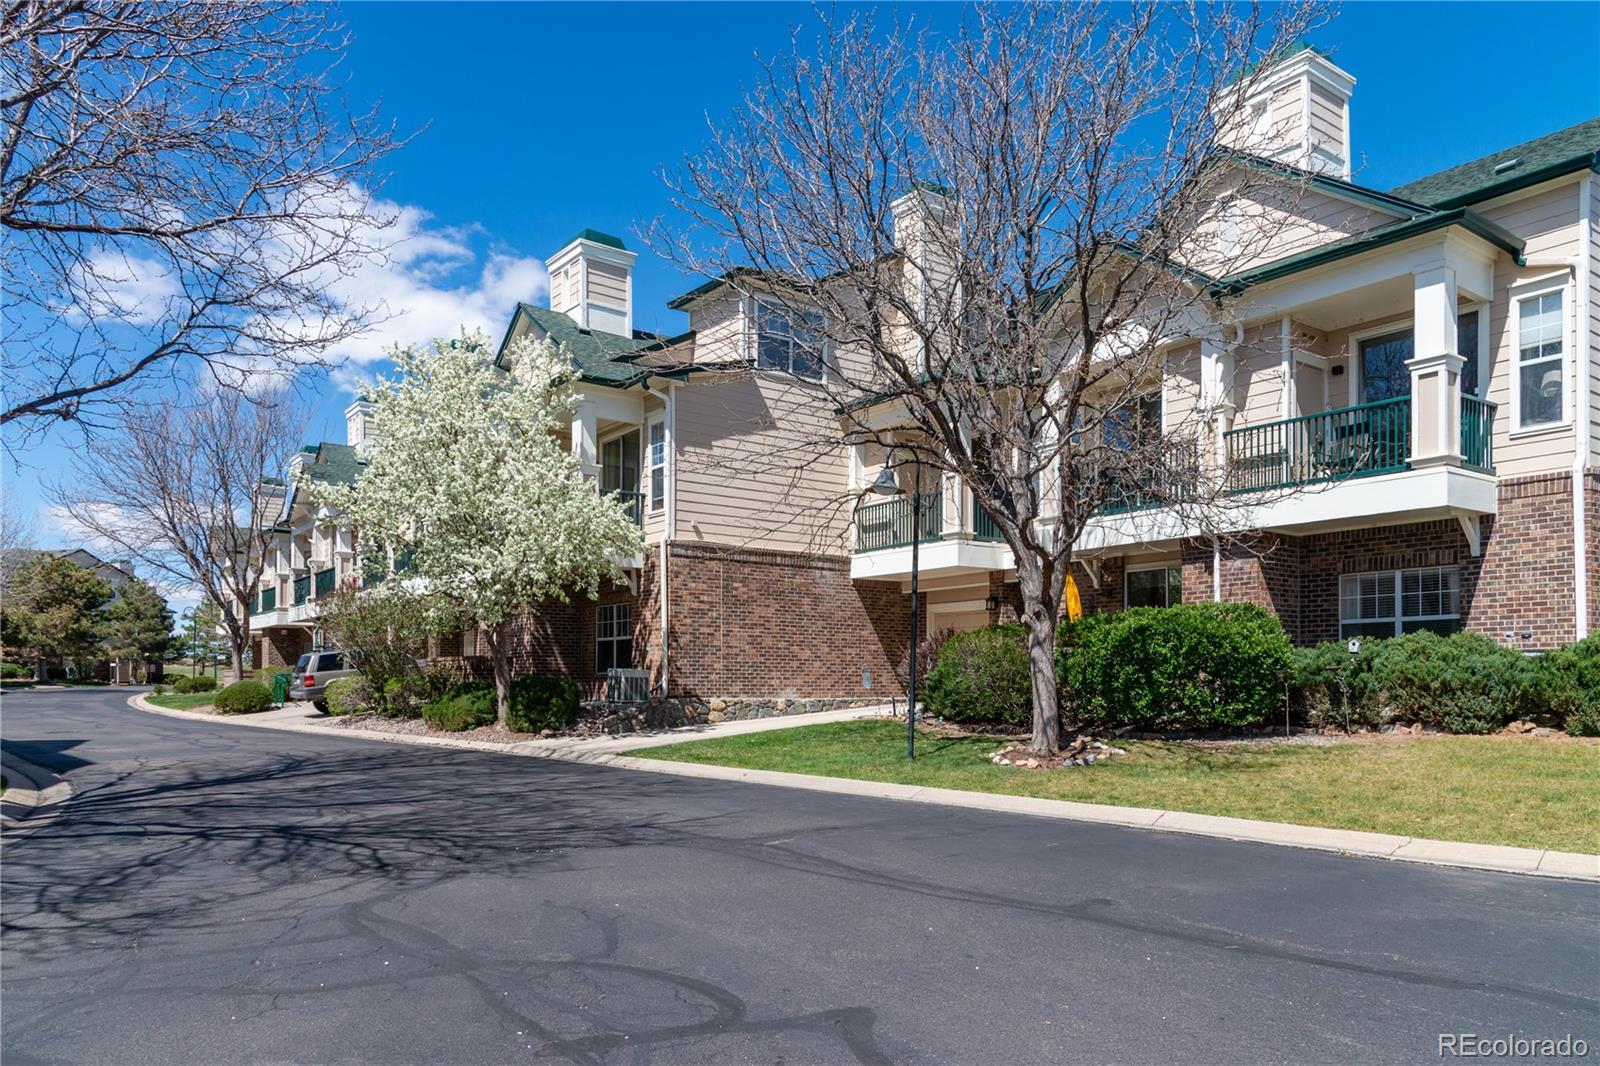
x: 597, y: 237
x: 335, y: 464
x: 1521, y: 165
x: 596, y: 356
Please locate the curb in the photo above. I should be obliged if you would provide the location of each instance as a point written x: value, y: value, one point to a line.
x: 1536, y: 862
x: 33, y: 798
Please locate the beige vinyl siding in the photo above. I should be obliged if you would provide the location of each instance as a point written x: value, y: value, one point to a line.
x: 1287, y: 112
x: 1327, y: 118
x: 608, y: 284
x: 562, y: 296
x: 1180, y: 389
x: 756, y: 467
x: 718, y: 326
x: 1258, y: 376
x: 1548, y: 221
x: 1272, y: 227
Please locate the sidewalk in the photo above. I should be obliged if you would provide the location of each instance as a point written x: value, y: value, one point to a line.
x: 611, y: 751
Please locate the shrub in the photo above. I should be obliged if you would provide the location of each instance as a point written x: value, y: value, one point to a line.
x: 12, y: 671
x: 159, y: 690
x: 1463, y: 683
x: 1190, y: 666
x: 461, y: 707
x: 541, y: 703
x: 187, y: 684
x: 1315, y: 694
x: 982, y: 676
x: 1568, y: 681
x: 243, y: 697
x: 348, y: 695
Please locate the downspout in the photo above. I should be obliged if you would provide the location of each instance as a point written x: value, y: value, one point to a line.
x: 1581, y: 400
x: 669, y: 524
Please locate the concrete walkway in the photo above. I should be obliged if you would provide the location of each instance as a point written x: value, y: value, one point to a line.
x: 611, y: 751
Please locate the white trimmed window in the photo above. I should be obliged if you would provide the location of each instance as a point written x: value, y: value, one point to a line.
x: 613, y: 636
x: 789, y: 340
x: 1541, y: 360
x: 656, y: 463
x: 1386, y: 603
x: 1153, y: 586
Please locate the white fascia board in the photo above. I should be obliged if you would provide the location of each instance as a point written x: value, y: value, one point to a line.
x: 1389, y: 499
x: 933, y: 559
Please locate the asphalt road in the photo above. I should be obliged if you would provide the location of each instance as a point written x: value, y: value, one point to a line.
x: 216, y: 894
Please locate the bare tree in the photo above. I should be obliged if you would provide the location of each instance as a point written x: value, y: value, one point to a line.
x: 993, y: 240
x: 17, y: 539
x: 180, y: 189
x: 187, y: 490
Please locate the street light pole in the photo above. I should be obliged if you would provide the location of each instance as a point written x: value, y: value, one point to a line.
x: 888, y: 485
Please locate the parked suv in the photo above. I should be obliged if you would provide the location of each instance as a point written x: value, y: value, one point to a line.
x: 312, y: 674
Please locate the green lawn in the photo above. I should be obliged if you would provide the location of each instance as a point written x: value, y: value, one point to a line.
x: 183, y: 701
x: 1521, y: 791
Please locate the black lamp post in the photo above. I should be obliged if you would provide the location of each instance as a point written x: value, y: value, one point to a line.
x: 887, y: 485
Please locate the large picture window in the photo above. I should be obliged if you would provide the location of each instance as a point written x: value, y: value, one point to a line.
x: 1386, y: 603
x: 1541, y: 369
x: 789, y: 340
x: 1153, y: 587
x: 613, y: 636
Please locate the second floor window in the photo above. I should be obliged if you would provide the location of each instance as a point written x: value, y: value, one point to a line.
x: 789, y: 341
x: 656, y: 462
x: 1540, y: 362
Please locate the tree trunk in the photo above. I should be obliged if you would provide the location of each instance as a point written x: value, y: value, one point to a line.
x: 1039, y: 611
x: 501, y: 660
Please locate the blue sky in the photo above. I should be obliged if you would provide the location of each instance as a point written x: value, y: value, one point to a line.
x: 502, y: 174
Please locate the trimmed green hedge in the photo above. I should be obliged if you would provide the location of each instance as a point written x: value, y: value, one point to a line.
x: 982, y: 677
x: 535, y: 703
x: 461, y: 708
x: 187, y: 684
x: 1463, y: 683
x: 1189, y: 666
x: 1569, y: 685
x: 243, y: 697
x: 12, y: 671
x: 541, y: 703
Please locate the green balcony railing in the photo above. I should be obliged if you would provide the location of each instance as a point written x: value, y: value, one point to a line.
x: 1359, y: 441
x: 983, y: 527
x: 1477, y: 434
x: 302, y: 589
x: 324, y: 583
x: 269, y: 601
x: 888, y: 524
x: 632, y: 502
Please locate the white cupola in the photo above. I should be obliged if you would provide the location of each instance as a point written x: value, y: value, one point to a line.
x: 591, y: 279
x: 1298, y: 112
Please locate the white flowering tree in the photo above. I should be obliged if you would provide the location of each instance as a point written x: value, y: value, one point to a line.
x: 470, y: 496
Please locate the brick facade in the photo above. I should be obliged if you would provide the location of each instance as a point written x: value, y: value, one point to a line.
x: 749, y: 622
x: 279, y: 645
x: 1519, y: 591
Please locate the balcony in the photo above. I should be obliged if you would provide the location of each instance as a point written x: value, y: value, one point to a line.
x: 325, y: 583
x: 632, y: 503
x: 302, y: 589
x: 887, y: 524
x: 1352, y: 442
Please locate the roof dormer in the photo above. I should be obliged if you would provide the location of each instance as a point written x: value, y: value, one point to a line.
x: 1297, y: 112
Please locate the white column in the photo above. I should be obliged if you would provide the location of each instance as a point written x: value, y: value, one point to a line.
x: 585, y: 433
x: 1216, y: 394
x: 1435, y: 370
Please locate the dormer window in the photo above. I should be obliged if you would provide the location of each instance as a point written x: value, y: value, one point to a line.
x: 789, y: 340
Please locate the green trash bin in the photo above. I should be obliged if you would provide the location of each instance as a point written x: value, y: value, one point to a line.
x: 280, y: 689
